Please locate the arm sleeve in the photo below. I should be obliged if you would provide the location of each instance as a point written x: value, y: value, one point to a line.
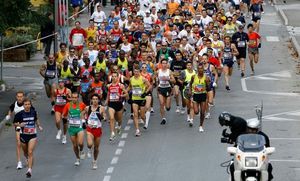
x: 12, y: 107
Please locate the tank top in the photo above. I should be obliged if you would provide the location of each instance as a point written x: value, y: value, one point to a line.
x: 116, y: 34
x: 114, y: 93
x: 91, y: 33
x: 75, y: 79
x: 29, y: 118
x: 18, y: 108
x: 102, y: 34
x: 199, y: 85
x: 147, y: 76
x: 126, y: 48
x: 188, y: 78
x: 123, y: 65
x: 97, y: 87
x: 50, y: 71
x: 227, y: 53
x: 94, y: 118
x: 74, y: 116
x: 103, y: 47
x: 61, y: 98
x: 60, y: 57
x: 86, y: 71
x: 65, y: 74
x: 164, y: 78
x: 138, y: 88
x: 208, y: 72
x: 100, y: 66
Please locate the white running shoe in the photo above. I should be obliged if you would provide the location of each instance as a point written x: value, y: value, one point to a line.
x: 201, y: 130
x: 112, y: 136
x: 137, y: 133
x: 82, y: 155
x: 19, y: 166
x: 95, y: 166
x: 191, y: 122
x: 207, y: 116
x: 118, y: 129
x: 182, y: 111
x: 64, y: 139
x: 177, y: 110
x: 77, y: 162
x: 152, y: 110
x: 58, y: 135
x: 89, y: 153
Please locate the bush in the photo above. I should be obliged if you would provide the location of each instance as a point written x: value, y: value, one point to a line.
x: 17, y: 39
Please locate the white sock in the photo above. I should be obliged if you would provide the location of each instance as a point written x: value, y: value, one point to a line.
x: 188, y: 117
x: 147, y: 117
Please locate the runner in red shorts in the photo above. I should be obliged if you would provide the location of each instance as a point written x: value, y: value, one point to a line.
x: 94, y: 127
x: 60, y: 96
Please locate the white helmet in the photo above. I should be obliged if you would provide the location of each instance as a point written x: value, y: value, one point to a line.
x: 253, y: 123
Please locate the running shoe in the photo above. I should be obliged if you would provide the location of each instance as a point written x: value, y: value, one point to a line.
x: 201, y: 130
x: 242, y: 74
x: 177, y: 110
x: 137, y: 133
x: 112, y: 136
x: 28, y: 174
x: 82, y: 155
x: 207, y: 116
x: 19, y: 166
x: 89, y: 153
x: 145, y: 126
x: 77, y: 162
x: 152, y: 110
x: 227, y: 88
x: 163, y: 121
x: 64, y: 139
x: 191, y: 123
x: 182, y: 111
x: 118, y: 129
x: 131, y: 115
x: 58, y: 135
x: 94, y: 165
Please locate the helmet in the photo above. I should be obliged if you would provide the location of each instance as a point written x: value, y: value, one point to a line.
x: 253, y: 123
x: 225, y: 118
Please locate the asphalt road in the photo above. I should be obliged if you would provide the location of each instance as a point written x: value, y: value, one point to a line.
x: 175, y: 151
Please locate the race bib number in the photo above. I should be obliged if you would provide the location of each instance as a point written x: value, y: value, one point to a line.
x: 116, y: 38
x: 210, y: 11
x: 137, y: 91
x: 257, y: 14
x: 241, y: 44
x: 252, y: 43
x: 227, y: 55
x: 60, y: 101
x: 230, y: 32
x: 27, y: 130
x: 114, y: 96
x: 199, y: 88
x: 75, y: 122
x: 98, y: 90
x: 93, y: 120
x: 50, y: 73
x: 77, y: 39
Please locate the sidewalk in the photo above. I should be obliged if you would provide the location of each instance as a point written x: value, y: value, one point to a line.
x: 290, y: 13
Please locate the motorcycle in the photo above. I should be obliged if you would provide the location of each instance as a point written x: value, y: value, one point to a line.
x: 251, y: 158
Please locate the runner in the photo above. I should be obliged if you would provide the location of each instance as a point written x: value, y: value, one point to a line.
x: 94, y: 115
x: 75, y: 80
x: 116, y: 94
x: 26, y: 121
x: 253, y: 46
x: 256, y: 11
x: 65, y: 74
x: 61, y: 55
x: 77, y: 38
x: 228, y: 53
x: 165, y: 78
x: 61, y: 95
x: 199, y: 86
x: 49, y: 72
x: 15, y: 108
x: 186, y: 77
x: 140, y: 87
x: 73, y: 113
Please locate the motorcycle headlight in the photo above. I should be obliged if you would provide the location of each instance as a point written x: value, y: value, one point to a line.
x: 251, y: 162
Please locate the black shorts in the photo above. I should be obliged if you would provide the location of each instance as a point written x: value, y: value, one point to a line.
x: 117, y: 106
x: 140, y: 103
x: 255, y: 19
x: 242, y: 53
x: 199, y: 97
x: 228, y: 63
x: 166, y: 92
x: 25, y: 138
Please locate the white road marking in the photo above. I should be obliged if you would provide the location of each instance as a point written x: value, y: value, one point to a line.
x: 278, y: 160
x: 114, y: 160
x: 287, y: 139
x: 294, y: 114
x: 118, y: 151
x: 124, y: 135
x: 127, y: 128
x: 106, y: 178
x: 263, y: 78
x: 285, y: 74
x: 272, y: 38
x: 272, y: 118
x: 110, y: 170
x: 121, y: 143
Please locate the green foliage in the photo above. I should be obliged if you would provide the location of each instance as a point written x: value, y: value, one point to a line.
x: 18, y: 39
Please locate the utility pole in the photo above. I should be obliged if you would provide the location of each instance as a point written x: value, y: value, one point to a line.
x: 56, y: 21
x: 1, y: 76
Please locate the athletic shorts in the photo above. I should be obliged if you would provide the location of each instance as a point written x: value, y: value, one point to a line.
x: 73, y: 131
x: 58, y: 108
x: 140, y: 103
x: 96, y: 132
x: 253, y: 50
x: 228, y: 63
x: 25, y: 138
x: 166, y: 92
x: 255, y: 19
x: 242, y: 53
x: 246, y: 2
x: 117, y: 106
x: 199, y: 97
x: 50, y: 82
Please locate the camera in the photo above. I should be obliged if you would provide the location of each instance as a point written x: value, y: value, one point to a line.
x: 225, y: 138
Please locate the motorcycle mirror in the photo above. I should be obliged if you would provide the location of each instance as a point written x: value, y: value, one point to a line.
x: 231, y: 150
x: 270, y: 150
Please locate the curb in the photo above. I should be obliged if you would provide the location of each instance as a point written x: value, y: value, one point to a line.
x: 295, y: 44
x: 2, y: 125
x: 281, y: 14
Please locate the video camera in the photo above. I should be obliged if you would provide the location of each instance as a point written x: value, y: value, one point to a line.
x: 225, y: 138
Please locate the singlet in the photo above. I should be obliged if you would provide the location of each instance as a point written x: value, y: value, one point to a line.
x: 199, y: 85
x: 227, y: 53
x: 126, y: 48
x: 18, y: 108
x: 29, y: 118
x: 102, y: 34
x: 116, y: 34
x: 217, y: 45
x: 98, y: 87
x: 74, y: 116
x: 91, y: 33
x: 86, y: 71
x: 94, y: 118
x: 114, y: 93
x: 50, y: 72
x: 208, y: 73
x: 230, y: 29
x: 75, y: 79
x: 61, y: 98
x: 147, y: 76
x: 65, y: 74
x: 103, y: 47
x: 188, y: 77
x: 100, y: 66
x: 60, y: 57
x: 138, y: 88
x: 123, y: 65
x: 164, y: 78
x: 84, y: 86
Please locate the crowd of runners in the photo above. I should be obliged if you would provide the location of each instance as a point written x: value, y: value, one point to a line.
x: 139, y: 53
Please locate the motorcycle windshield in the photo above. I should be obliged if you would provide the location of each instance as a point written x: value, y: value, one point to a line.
x: 251, y: 142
